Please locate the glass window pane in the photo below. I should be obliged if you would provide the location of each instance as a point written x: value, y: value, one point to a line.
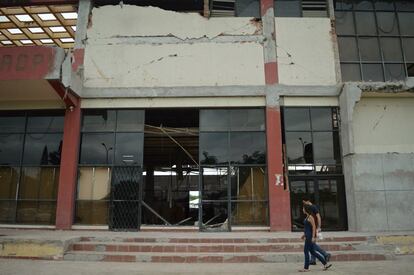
x: 348, y: 50
x: 394, y: 72
x: 39, y: 183
x: 343, y: 4
x: 94, y: 183
x: 410, y: 69
x: 369, y: 49
x: 11, y: 146
x: 9, y: 176
x: 247, y: 120
x: 214, y: 120
x: 214, y: 148
x: 248, y: 8
x: 298, y: 189
x: 372, y: 72
x: 36, y: 212
x: 363, y: 5
x: 129, y: 148
x: 404, y: 5
x: 248, y: 148
x: 248, y: 183
x: 365, y: 23
x: 323, y: 145
x: 97, y: 148
x: 350, y: 72
x: 387, y: 5
x: 98, y: 120
x: 387, y: 23
x: 296, y: 119
x: 288, y: 8
x: 406, y: 23
x: 7, y: 211
x: 332, y: 203
x: 321, y: 118
x: 249, y: 213
x: 44, y: 123
x: 92, y: 212
x: 215, y: 184
x: 42, y: 149
x: 299, y: 147
x: 12, y: 122
x: 408, y: 46
x: 130, y: 121
x: 344, y: 23
x: 391, y: 49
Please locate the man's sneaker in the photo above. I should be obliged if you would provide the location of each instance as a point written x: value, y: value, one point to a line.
x: 328, y: 257
x: 312, y: 263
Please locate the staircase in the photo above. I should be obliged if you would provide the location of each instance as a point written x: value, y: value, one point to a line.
x: 220, y: 250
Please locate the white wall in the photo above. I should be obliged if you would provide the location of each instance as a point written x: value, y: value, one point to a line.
x: 305, y: 51
x: 130, y: 47
x: 384, y: 125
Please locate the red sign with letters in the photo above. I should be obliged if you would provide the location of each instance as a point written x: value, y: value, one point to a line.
x: 26, y: 62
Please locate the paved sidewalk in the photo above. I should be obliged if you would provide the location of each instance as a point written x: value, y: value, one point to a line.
x: 404, y: 265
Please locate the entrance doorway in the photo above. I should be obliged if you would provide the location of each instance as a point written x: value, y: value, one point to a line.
x: 170, y: 174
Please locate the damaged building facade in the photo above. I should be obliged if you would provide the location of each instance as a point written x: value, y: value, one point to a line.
x: 206, y: 115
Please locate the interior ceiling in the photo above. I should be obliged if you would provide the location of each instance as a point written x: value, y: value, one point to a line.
x: 38, y: 25
x: 27, y: 90
x: 176, y: 5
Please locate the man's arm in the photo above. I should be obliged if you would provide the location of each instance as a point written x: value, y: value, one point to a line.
x: 318, y: 217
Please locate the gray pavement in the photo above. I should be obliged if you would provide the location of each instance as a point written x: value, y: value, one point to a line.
x: 403, y: 265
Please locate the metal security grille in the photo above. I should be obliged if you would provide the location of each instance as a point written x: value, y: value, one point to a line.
x: 125, y: 210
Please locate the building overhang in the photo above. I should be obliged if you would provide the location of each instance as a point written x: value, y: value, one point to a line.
x: 30, y: 77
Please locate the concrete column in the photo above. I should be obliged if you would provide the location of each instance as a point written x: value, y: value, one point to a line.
x: 279, y: 200
x: 68, y: 168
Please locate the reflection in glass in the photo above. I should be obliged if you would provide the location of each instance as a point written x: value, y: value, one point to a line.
x: 387, y: 5
x: 299, y: 147
x: 248, y: 183
x: 249, y: 213
x: 129, y: 148
x: 343, y: 4
x: 297, y: 119
x: 130, y: 121
x: 11, y: 146
x: 387, y: 23
x: 288, y: 8
x: 214, y: 148
x: 323, y: 146
x: 9, y: 177
x: 248, y: 8
x: 248, y: 147
x: 394, y: 72
x: 344, y: 23
x: 363, y: 5
x: 42, y: 149
x: 42, y: 123
x: 214, y: 183
x: 391, y: 49
x: 298, y: 189
x: 98, y: 120
x: 97, y: 148
x: 12, y: 122
x: 247, y: 120
x: 408, y: 46
x: 214, y: 120
x: 321, y: 119
x: 215, y: 216
x: 7, y: 211
x: 36, y: 212
x: 406, y: 23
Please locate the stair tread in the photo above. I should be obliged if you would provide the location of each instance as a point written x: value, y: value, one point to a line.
x: 207, y: 244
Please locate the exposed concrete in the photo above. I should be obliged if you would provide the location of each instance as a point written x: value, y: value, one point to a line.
x: 146, y: 22
x: 305, y: 55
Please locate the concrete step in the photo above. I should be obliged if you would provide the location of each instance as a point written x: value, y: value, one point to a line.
x: 234, y: 240
x: 205, y: 247
x: 219, y: 257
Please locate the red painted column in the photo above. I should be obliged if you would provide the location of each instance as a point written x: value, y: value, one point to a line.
x: 279, y: 198
x: 68, y: 168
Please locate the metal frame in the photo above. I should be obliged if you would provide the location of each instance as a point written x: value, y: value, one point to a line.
x: 378, y: 37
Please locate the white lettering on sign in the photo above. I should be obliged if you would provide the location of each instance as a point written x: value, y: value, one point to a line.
x: 278, y: 179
